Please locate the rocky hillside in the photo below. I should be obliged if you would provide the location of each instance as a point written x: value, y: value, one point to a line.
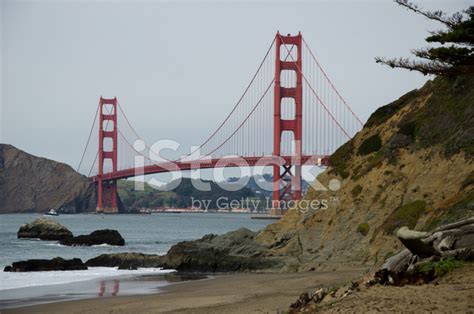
x: 411, y: 165
x: 33, y: 184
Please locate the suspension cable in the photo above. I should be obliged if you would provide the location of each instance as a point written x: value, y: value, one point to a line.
x: 245, y: 120
x: 314, y: 92
x: 89, y: 138
x: 223, y: 122
x: 253, y: 109
x: 330, y: 82
x: 236, y: 105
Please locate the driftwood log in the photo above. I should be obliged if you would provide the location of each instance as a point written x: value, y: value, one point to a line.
x: 456, y: 240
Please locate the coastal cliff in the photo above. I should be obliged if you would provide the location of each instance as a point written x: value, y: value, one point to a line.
x: 33, y: 184
x: 411, y: 165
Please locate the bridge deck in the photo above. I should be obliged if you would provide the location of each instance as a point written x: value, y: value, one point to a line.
x: 161, y: 167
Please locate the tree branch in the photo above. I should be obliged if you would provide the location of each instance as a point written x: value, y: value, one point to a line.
x: 432, y: 15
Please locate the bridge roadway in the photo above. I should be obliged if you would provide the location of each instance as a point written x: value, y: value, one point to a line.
x: 161, y: 167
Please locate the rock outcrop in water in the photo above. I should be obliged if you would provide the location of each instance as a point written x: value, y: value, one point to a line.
x: 126, y: 260
x: 98, y: 237
x: 44, y: 229
x: 233, y: 251
x: 57, y: 263
x: 51, y: 230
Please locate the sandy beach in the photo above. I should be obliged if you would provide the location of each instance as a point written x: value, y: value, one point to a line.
x: 273, y: 293
x: 453, y: 293
x: 233, y: 293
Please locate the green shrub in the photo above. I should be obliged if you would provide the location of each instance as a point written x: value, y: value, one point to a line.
x: 356, y: 190
x: 408, y: 129
x: 375, y: 161
x: 406, y: 215
x: 370, y: 145
x: 338, y: 160
x: 363, y: 228
x: 458, y: 211
x: 441, y: 267
x: 384, y: 113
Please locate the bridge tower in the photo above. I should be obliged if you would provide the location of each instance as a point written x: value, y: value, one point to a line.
x: 107, y: 189
x: 287, y: 177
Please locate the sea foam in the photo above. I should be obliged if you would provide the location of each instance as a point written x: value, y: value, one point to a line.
x: 15, y: 280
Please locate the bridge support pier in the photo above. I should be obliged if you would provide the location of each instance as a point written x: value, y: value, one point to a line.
x: 107, y: 189
x: 107, y: 197
x: 287, y: 177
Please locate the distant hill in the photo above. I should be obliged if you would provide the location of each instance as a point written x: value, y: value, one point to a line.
x: 179, y: 197
x: 182, y: 195
x: 33, y: 184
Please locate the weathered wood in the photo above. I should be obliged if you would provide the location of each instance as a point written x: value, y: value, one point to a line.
x: 452, y: 240
x: 413, y: 241
x: 454, y: 225
x: 398, y: 262
x: 441, y: 241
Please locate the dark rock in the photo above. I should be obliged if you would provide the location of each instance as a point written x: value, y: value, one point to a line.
x: 57, y: 263
x: 44, y: 229
x: 233, y: 251
x: 126, y: 260
x: 401, y: 278
x: 7, y: 268
x: 301, y: 302
x: 106, y: 236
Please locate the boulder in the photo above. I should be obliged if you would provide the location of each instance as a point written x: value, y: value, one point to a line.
x: 44, y: 229
x: 233, y: 251
x: 106, y: 236
x: 57, y: 263
x: 125, y: 260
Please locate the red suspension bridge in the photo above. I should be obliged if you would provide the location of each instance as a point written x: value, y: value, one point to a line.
x: 289, y: 115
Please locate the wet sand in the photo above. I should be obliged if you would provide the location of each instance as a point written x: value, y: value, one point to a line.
x: 233, y: 293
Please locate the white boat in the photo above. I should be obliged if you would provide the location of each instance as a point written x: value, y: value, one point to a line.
x: 51, y: 212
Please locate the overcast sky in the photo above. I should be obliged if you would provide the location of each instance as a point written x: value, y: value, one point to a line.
x: 179, y: 66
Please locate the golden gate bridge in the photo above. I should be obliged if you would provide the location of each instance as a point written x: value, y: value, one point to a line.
x: 289, y: 115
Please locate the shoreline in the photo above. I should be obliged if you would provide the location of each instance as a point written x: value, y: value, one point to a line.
x: 241, y: 292
x: 128, y: 284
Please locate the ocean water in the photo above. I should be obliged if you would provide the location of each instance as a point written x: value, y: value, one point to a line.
x: 152, y: 234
